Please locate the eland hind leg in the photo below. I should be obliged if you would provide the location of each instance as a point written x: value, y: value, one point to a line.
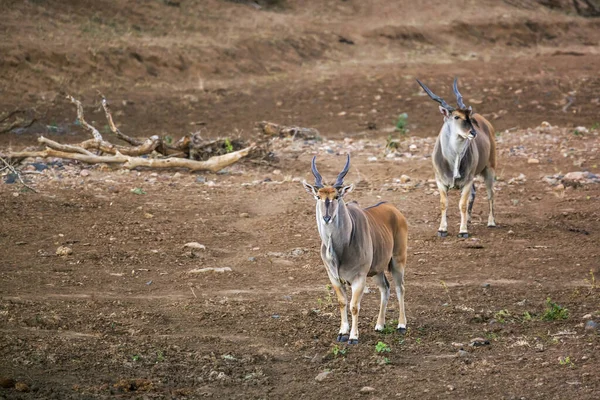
x: 462, y: 205
x: 397, y: 268
x: 384, y: 288
x: 488, y: 176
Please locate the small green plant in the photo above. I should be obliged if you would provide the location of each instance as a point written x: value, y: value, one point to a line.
x: 527, y: 317
x: 418, y: 340
x: 502, y: 315
x: 554, y: 311
x: 384, y: 361
x: 338, y: 351
x: 577, y: 133
x: 168, y: 139
x: 401, y: 123
x: 138, y: 191
x: 381, y: 347
x: 389, y: 329
x: 566, y: 361
x: 228, y: 146
x: 392, y: 143
x: 160, y: 356
x: 136, y: 357
x: 53, y: 127
x: 595, y: 125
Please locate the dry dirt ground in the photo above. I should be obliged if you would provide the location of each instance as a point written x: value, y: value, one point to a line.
x: 123, y: 315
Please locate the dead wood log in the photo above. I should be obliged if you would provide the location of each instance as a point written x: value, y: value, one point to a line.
x: 213, y: 164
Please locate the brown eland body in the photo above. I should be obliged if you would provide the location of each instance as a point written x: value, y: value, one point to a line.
x: 464, y: 149
x: 356, y: 243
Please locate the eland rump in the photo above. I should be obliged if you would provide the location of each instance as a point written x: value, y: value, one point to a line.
x: 356, y: 243
x: 465, y: 148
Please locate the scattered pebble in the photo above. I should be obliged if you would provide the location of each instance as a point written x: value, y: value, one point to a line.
x: 371, y: 159
x: 367, y: 389
x: 592, y: 326
x: 462, y: 353
x: 244, y: 215
x: 209, y: 269
x: 533, y: 161
x: 322, y: 376
x: 251, y: 259
x: 194, y: 246
x: 477, y: 342
x: 64, y: 251
x: 200, y: 179
x: 84, y: 172
x: 486, y: 285
x: 404, y: 178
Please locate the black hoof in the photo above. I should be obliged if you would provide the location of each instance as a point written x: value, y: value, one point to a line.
x: 353, y: 341
x: 401, y: 331
x: 442, y: 233
x: 492, y: 226
x: 342, y: 337
x: 463, y: 235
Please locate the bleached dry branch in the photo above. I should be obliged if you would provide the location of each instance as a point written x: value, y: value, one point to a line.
x: 87, y: 126
x: 113, y: 127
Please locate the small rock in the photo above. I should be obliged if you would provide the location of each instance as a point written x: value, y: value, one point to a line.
x: 545, y: 124
x: 592, y: 326
x: 209, y: 269
x: 200, y: 179
x: 533, y: 161
x: 412, y: 147
x: 587, y: 316
x: 64, y: 251
x: 477, y: 342
x: 244, y: 215
x: 322, y: 376
x: 7, y: 383
x: 582, y: 129
x: 558, y: 188
x: 21, y: 387
x: 251, y: 259
x: 462, y: 353
x: 371, y: 159
x: 510, y: 232
x: 486, y: 285
x: 84, y: 172
x: 342, y: 113
x: 177, y: 175
x: 194, y: 246
x: 367, y: 389
x: 404, y: 178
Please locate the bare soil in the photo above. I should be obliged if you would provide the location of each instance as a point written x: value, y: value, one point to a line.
x: 124, y: 316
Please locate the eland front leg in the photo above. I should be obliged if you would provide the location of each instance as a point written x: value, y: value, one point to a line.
x: 358, y: 288
x: 384, y: 289
x: 340, y: 291
x: 463, y: 205
x: 443, y: 229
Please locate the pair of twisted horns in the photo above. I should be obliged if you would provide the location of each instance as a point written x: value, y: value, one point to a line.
x: 339, y: 182
x: 459, y: 98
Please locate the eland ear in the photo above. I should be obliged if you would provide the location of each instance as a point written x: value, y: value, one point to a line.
x: 345, y: 190
x: 445, y: 112
x: 310, y: 189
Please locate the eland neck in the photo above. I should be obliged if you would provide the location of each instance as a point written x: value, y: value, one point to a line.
x: 453, y: 148
x: 339, y: 230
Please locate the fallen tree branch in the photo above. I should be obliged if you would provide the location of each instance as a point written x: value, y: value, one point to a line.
x: 14, y: 171
x: 87, y: 126
x: 113, y: 127
x: 214, y: 164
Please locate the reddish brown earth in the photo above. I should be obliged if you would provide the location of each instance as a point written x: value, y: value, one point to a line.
x: 123, y: 316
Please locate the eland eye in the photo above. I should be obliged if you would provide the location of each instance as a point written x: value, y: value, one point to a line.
x: 336, y: 197
x: 456, y: 117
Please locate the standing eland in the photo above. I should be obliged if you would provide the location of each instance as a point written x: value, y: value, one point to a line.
x: 465, y: 148
x: 356, y: 243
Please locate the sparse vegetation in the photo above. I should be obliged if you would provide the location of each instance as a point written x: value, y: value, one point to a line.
x: 138, y: 191
x: 381, y: 347
x: 554, y: 311
x: 502, y: 316
x: 566, y: 361
x: 401, y: 123
x: 338, y: 351
x: 228, y: 146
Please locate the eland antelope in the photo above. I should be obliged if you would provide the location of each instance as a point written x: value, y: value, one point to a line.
x: 356, y: 243
x: 465, y: 148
